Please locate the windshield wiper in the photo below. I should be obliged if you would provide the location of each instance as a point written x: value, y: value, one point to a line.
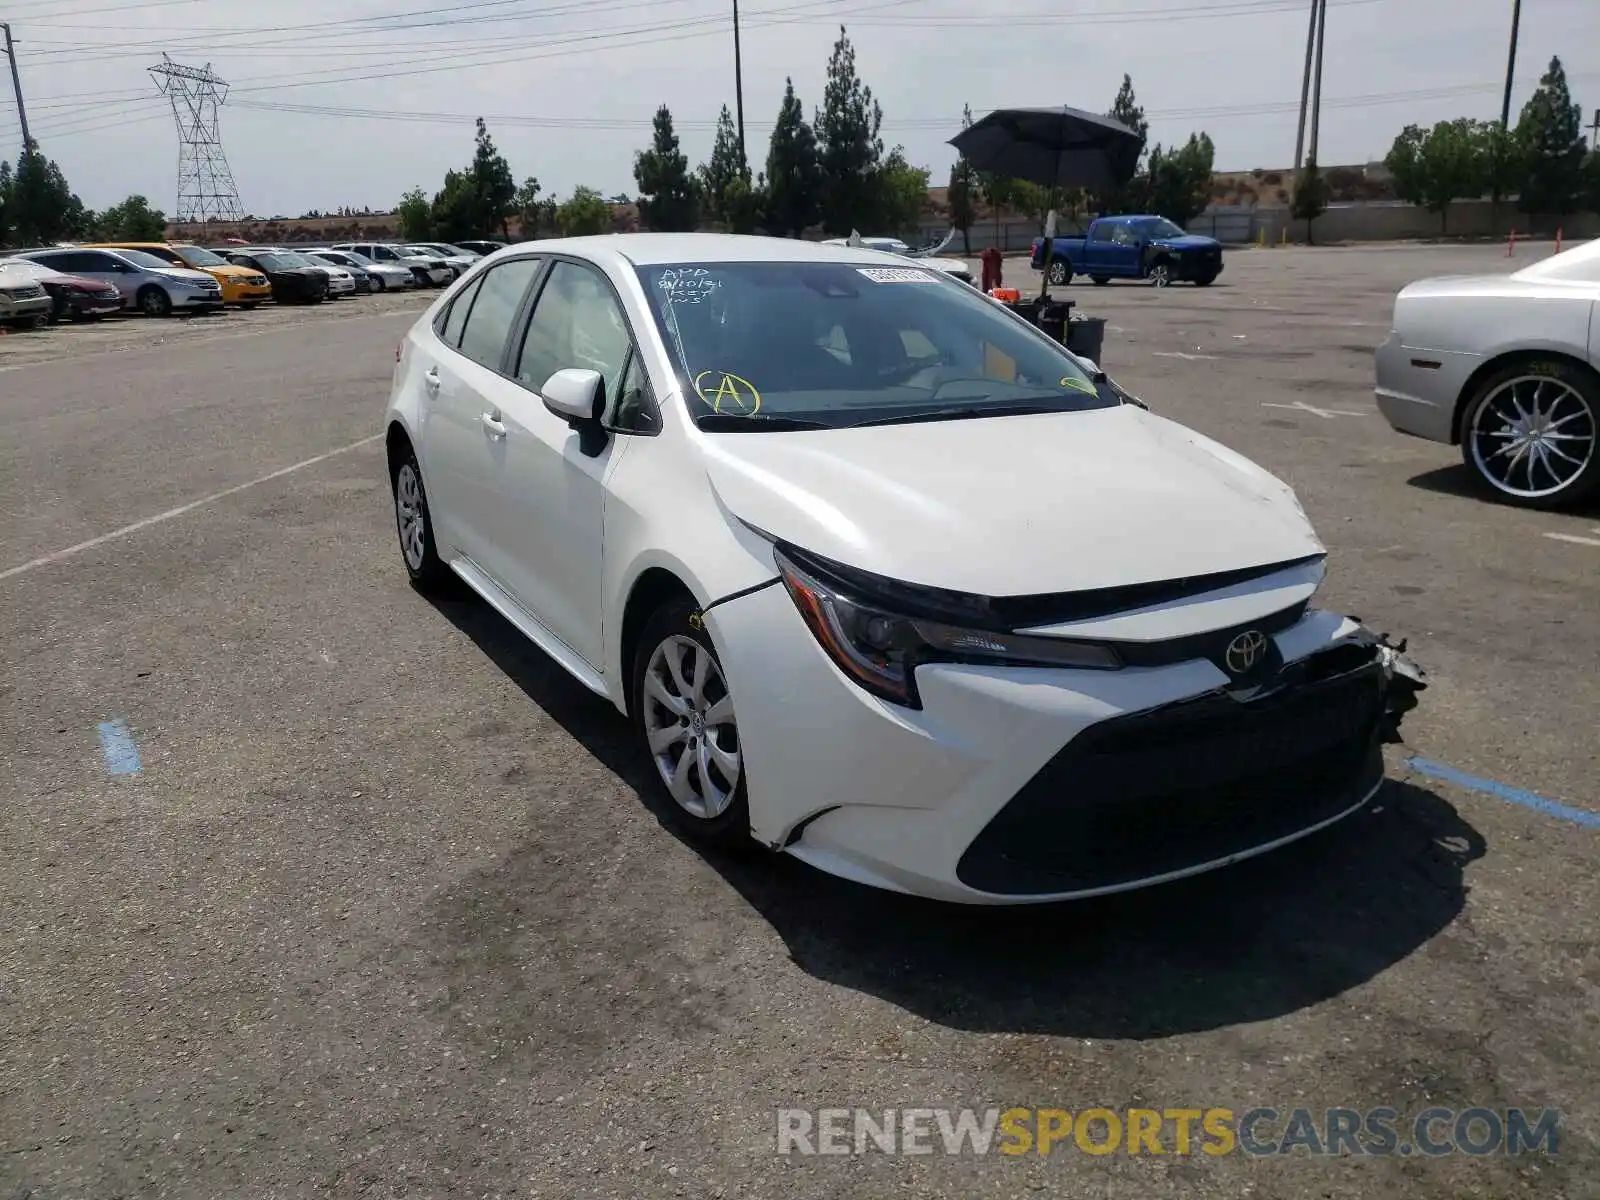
x: 962, y: 412
x: 726, y: 422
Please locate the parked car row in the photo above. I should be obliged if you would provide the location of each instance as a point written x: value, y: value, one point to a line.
x: 49, y: 284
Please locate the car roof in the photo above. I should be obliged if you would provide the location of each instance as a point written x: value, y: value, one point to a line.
x: 661, y: 249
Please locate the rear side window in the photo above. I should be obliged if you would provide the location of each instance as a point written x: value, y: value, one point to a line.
x: 455, y: 317
x: 488, y: 325
x: 166, y: 255
x: 1103, y: 233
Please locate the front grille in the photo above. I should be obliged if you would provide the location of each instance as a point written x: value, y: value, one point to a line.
x: 27, y: 291
x: 1189, y: 783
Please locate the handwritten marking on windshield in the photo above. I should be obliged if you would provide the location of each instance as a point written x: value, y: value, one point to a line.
x: 895, y: 275
x: 731, y: 389
x: 687, y: 285
x: 1074, y: 384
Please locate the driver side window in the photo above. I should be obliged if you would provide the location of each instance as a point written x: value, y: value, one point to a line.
x: 578, y: 322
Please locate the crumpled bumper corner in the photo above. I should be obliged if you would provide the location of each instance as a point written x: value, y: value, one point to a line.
x: 1403, y: 678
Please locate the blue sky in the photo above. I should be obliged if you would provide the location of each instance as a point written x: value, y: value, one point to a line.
x: 329, y: 110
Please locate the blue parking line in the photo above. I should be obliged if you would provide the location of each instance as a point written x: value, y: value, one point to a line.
x: 116, y: 743
x: 1550, y: 808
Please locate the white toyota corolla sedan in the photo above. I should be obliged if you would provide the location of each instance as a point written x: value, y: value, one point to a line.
x: 883, y: 577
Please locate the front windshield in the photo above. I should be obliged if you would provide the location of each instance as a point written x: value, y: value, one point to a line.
x: 277, y: 262
x: 298, y: 260
x: 1163, y: 228
x: 140, y: 259
x: 198, y: 258
x: 835, y: 344
x: 360, y: 260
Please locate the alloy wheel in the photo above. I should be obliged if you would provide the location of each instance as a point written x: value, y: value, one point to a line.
x: 1058, y: 273
x: 1160, y: 275
x: 1533, y: 436
x: 411, y: 515
x: 688, y: 719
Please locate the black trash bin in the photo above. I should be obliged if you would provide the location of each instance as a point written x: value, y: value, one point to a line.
x: 1085, y: 336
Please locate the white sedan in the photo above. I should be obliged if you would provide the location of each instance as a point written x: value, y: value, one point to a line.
x: 1508, y: 368
x: 883, y: 577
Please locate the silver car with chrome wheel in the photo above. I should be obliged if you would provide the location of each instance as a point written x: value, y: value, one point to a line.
x: 1508, y: 368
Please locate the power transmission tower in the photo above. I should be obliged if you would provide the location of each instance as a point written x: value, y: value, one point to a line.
x: 16, y: 84
x: 206, y: 190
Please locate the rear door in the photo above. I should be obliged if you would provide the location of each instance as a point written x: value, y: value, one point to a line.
x: 461, y: 359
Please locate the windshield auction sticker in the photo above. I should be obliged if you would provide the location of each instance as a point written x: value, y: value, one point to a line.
x: 718, y: 388
x: 895, y: 275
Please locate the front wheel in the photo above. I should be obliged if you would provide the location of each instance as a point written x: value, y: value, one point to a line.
x: 1530, y: 433
x: 1160, y: 274
x: 378, y: 284
x: 1204, y: 280
x: 1060, y: 272
x: 1100, y: 280
x: 683, y: 713
x: 154, y: 302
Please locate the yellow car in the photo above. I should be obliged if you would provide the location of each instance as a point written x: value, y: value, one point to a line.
x: 240, y: 285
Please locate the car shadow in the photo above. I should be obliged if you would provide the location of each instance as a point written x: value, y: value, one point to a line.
x: 1457, y: 479
x: 1258, y: 940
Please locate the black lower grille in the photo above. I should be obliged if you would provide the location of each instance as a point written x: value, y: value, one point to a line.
x: 1190, y: 783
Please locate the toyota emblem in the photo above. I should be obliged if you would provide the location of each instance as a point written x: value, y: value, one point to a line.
x: 1246, y: 651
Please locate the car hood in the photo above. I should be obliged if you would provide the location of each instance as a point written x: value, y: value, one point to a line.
x: 1477, y: 285
x: 186, y: 273
x: 1188, y: 241
x: 1008, y: 506
x: 232, y: 272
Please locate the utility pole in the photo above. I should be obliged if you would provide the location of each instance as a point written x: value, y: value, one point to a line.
x: 1511, y: 64
x: 1305, y: 86
x: 1594, y: 131
x: 1316, y: 84
x: 16, y: 86
x: 738, y: 82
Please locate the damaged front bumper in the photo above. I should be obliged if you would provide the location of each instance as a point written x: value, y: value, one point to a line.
x: 1403, y: 679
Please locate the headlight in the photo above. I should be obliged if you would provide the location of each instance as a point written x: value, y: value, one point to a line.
x: 878, y: 639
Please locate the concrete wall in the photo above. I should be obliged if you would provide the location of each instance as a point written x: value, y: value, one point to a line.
x: 1369, y: 222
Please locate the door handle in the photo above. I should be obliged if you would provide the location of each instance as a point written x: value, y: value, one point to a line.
x: 430, y: 380
x: 494, y: 427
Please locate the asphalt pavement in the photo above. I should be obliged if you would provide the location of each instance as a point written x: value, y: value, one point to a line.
x: 314, y: 887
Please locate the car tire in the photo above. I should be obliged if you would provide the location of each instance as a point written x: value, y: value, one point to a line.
x: 59, y: 310
x: 1160, y: 274
x: 248, y: 306
x: 154, y: 301
x: 1060, y: 272
x: 413, y: 522
x: 679, y: 741
x: 1565, y: 398
x: 1204, y: 280
x: 378, y: 284
x: 1099, y: 280
x: 30, y: 322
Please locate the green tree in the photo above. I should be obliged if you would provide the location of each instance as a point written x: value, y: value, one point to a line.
x: 1127, y: 109
x: 1591, y: 185
x: 962, y: 194
x: 743, y: 202
x: 416, y: 216
x: 494, y: 187
x: 1310, y: 197
x: 455, y: 212
x: 132, y: 221
x: 794, y: 171
x: 1551, y: 133
x: 1504, y: 164
x: 42, y: 208
x: 584, y: 212
x: 529, y: 208
x: 902, y: 193
x: 1435, y: 169
x: 1178, y: 182
x: 850, y: 149
x: 668, y: 198
x: 5, y: 203
x: 725, y: 168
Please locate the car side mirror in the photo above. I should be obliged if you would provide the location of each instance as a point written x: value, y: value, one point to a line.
x: 578, y: 397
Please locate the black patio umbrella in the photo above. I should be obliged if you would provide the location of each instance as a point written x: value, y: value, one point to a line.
x: 1053, y: 147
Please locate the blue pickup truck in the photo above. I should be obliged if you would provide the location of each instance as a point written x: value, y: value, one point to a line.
x: 1132, y: 247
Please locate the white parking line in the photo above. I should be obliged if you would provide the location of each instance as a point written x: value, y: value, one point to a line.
x: 1327, y: 414
x: 58, y: 555
x: 1572, y: 537
x: 1182, y: 355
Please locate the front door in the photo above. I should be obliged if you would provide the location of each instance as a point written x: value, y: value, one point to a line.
x: 550, y: 510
